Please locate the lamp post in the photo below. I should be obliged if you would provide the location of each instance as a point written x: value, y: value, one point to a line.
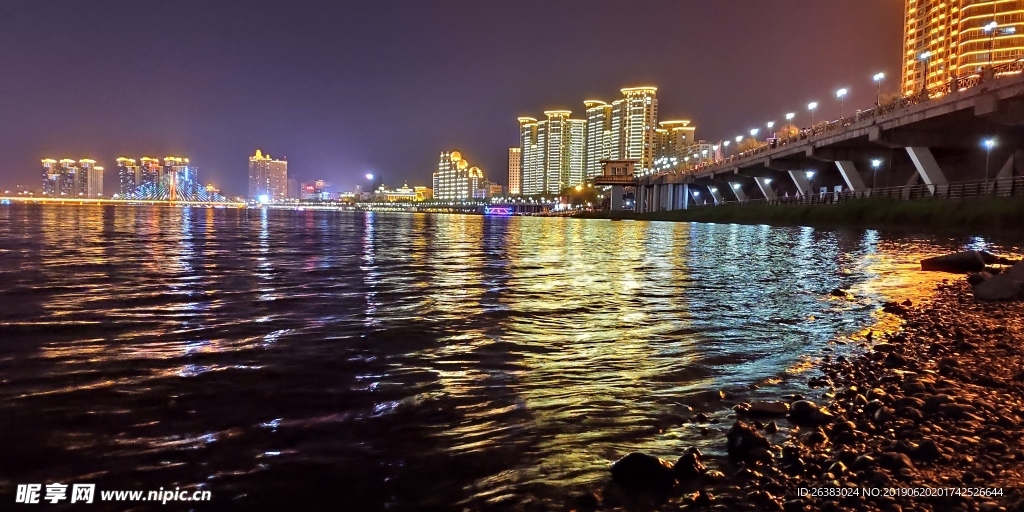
x: 789, y: 119
x: 811, y: 106
x: 841, y: 94
x: 753, y: 132
x: 992, y: 30
x: 725, y: 145
x: 770, y: 125
x: 924, y: 58
x: 810, y: 184
x: 989, y: 144
x: 875, y: 164
x: 878, y: 91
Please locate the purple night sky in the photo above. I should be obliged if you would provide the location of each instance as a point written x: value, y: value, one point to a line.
x: 347, y: 87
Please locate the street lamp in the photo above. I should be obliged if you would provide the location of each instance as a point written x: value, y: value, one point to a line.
x: 924, y: 58
x: 841, y: 94
x: 810, y: 183
x: 811, y: 106
x: 770, y: 125
x: 992, y: 31
x: 753, y: 132
x: 878, y: 91
x: 989, y: 144
x: 875, y: 164
x: 789, y: 119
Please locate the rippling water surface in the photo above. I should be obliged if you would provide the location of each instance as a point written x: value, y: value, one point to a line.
x: 400, y: 361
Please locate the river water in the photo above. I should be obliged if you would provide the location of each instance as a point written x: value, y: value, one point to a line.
x: 403, y: 361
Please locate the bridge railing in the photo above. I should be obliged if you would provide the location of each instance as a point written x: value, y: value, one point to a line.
x: 1002, y: 187
x: 955, y: 85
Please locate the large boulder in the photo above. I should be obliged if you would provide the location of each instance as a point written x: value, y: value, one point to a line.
x: 1016, y: 272
x: 768, y: 408
x: 998, y: 287
x: 689, y: 466
x: 744, y: 442
x: 645, y: 471
x: 960, y: 262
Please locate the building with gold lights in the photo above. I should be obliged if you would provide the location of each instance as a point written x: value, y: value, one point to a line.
x: 72, y: 178
x: 268, y: 178
x: 515, y: 176
x: 457, y: 180
x: 944, y: 39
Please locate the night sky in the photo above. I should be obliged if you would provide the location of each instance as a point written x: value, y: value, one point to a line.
x: 346, y: 87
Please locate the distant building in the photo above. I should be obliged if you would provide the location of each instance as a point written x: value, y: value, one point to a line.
x: 598, y: 144
x: 423, y: 193
x: 455, y: 179
x: 315, y: 191
x: 400, y: 194
x: 673, y: 138
x: 129, y: 176
x: 515, y: 156
x: 51, y: 176
x: 552, y: 152
x: 294, y: 191
x: 944, y: 40
x: 268, y: 178
x: 635, y: 116
x: 495, y: 190
x: 70, y: 178
x: 94, y: 179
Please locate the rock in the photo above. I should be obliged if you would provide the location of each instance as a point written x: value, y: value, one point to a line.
x: 742, y: 439
x: 1016, y: 272
x: 978, y: 278
x: 894, y: 360
x: 771, y: 428
x: 896, y: 461
x: 836, y: 292
x: 1000, y: 287
x: 642, y: 470
x: 768, y: 408
x: 806, y: 412
x: 895, y: 309
x: 689, y: 466
x: 909, y: 401
x: 927, y: 451
x: 864, y: 462
x: 960, y: 262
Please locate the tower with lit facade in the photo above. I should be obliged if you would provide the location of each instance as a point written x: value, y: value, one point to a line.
x: 634, y: 121
x: 268, y: 178
x: 129, y: 176
x: 944, y: 39
x: 515, y: 186
x: 597, y: 144
x: 456, y: 180
x: 552, y: 152
x: 673, y: 139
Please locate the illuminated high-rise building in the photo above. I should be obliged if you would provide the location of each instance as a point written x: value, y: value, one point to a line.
x: 944, y: 39
x: 268, y: 178
x: 129, y: 176
x: 673, y: 138
x: 634, y: 121
x: 456, y: 180
x: 51, y: 177
x: 69, y: 178
x: 150, y: 172
x: 532, y: 179
x: 552, y: 152
x: 597, y: 145
x: 515, y: 177
x: 94, y: 179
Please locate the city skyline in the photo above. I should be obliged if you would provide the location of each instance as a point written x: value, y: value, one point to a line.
x: 336, y: 108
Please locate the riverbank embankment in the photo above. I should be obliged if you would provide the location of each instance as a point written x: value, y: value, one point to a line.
x: 927, y: 417
x: 994, y: 214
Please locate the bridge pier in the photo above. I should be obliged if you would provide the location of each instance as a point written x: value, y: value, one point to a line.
x: 684, y: 196
x: 850, y: 175
x: 803, y: 187
x: 765, y: 185
x: 737, y: 190
x: 616, y: 199
x: 927, y: 167
x: 695, y: 194
x: 716, y: 194
x: 668, y: 197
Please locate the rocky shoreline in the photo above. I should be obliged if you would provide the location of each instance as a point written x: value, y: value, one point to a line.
x: 929, y: 417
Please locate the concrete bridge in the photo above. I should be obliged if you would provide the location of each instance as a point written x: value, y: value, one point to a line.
x: 931, y: 143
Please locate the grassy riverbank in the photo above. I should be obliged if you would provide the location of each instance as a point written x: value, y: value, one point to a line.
x: 1003, y: 214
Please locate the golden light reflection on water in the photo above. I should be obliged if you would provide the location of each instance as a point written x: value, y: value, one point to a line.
x: 534, y: 350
